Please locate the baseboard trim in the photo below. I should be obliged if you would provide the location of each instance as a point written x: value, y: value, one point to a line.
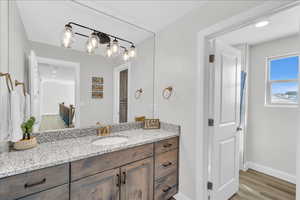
x: 181, y: 196
x: 272, y: 172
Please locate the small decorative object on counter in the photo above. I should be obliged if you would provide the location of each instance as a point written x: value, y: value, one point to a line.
x: 27, y: 142
x: 140, y: 119
x: 151, y: 124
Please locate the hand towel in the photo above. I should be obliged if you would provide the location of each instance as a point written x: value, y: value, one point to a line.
x: 15, y: 117
x: 4, y: 116
x: 27, y: 107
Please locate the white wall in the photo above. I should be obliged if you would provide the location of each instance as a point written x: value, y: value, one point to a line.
x: 272, y: 131
x: 18, y: 46
x: 3, y: 64
x: 142, y: 75
x: 176, y: 61
x: 91, y: 110
x: 54, y: 93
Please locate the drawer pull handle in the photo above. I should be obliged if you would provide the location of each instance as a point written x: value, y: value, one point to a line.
x: 124, y: 178
x: 27, y: 185
x: 118, y: 180
x: 167, y: 189
x: 167, y: 164
x: 168, y: 145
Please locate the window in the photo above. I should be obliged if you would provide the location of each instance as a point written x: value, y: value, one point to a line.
x: 282, y: 80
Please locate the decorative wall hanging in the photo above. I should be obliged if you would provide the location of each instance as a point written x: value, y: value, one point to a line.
x: 167, y: 92
x: 138, y: 93
x: 97, y: 87
x: 97, y: 38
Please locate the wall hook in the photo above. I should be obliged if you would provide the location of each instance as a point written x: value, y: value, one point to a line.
x: 138, y: 93
x: 167, y: 92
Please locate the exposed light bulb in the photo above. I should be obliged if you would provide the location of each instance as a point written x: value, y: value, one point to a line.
x: 89, y: 47
x: 67, y: 36
x: 132, y: 51
x: 94, y: 40
x: 125, y: 55
x: 115, y: 46
x: 262, y: 24
x: 108, y: 51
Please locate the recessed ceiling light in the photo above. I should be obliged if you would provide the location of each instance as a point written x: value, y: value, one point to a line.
x: 262, y: 24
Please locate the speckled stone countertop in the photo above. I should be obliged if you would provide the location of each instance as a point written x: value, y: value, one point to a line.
x: 63, y: 151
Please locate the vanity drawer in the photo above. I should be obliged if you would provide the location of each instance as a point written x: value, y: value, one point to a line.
x: 166, y: 163
x: 57, y: 193
x: 166, y: 145
x: 94, y: 165
x: 24, y: 184
x: 166, y: 187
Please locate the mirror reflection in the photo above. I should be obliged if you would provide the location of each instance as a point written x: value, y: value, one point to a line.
x: 79, y: 67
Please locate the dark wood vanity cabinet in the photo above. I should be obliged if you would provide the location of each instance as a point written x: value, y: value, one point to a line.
x: 137, y: 181
x: 132, y: 181
x: 104, y: 186
x: 146, y: 172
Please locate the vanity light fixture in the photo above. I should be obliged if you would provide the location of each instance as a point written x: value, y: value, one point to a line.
x: 67, y: 37
x: 132, y: 51
x: 126, y: 55
x: 96, y: 39
x: 262, y: 24
x: 115, y: 46
x: 109, y: 51
x: 89, y: 47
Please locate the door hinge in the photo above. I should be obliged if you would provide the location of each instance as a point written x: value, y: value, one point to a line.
x: 211, y: 58
x: 209, y: 185
x: 211, y: 122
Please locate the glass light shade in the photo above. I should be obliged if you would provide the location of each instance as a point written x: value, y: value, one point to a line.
x: 89, y: 47
x: 126, y: 55
x: 67, y: 36
x: 132, y: 51
x: 115, y: 46
x: 94, y: 40
x: 108, y: 51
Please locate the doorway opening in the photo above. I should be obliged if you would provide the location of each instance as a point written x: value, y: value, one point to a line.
x: 121, y: 93
x: 54, y: 89
x: 253, y: 109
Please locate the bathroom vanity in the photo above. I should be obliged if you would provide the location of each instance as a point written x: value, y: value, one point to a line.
x: 144, y: 168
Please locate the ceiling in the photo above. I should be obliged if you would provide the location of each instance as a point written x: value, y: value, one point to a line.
x: 282, y: 24
x: 47, y: 26
x: 57, y: 73
x: 151, y: 15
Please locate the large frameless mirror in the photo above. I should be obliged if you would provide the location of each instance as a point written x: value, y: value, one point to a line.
x: 77, y: 67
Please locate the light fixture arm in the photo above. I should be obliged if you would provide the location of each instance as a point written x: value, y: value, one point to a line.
x: 97, y: 31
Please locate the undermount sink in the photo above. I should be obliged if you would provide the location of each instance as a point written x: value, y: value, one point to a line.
x: 110, y: 140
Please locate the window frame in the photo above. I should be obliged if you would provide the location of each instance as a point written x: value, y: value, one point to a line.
x: 268, y: 82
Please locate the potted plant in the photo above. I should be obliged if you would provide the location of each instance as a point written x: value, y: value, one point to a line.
x: 27, y: 142
x: 27, y: 128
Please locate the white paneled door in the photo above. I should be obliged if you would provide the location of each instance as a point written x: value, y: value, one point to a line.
x: 225, y: 106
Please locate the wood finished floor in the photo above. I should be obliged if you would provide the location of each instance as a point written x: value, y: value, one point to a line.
x: 257, y: 186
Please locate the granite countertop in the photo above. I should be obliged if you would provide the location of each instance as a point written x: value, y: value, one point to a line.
x: 63, y: 151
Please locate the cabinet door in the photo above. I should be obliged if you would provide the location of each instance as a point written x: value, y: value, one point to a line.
x: 102, y: 186
x: 137, y: 180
